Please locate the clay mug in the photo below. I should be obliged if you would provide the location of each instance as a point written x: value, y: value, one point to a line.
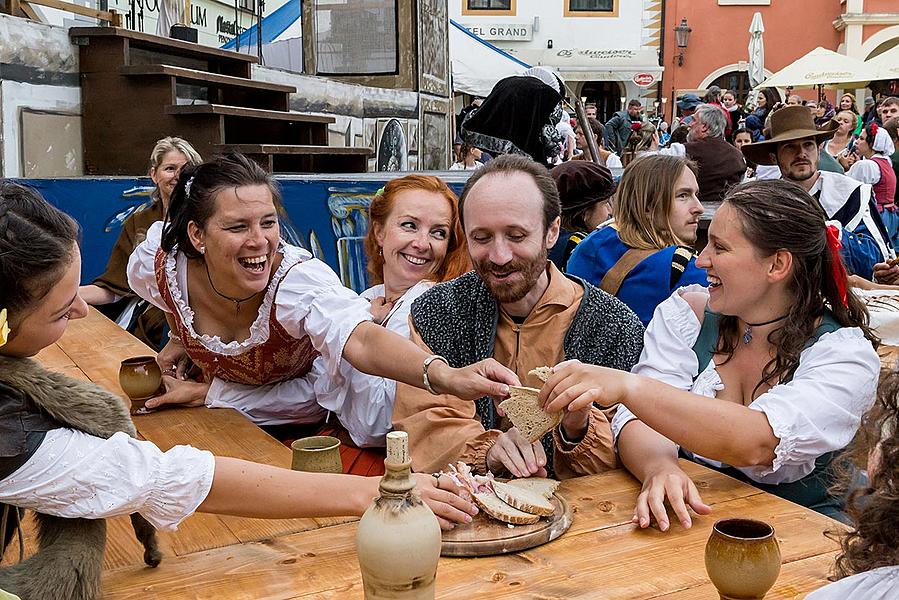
x: 742, y: 558
x: 141, y: 379
x: 318, y: 454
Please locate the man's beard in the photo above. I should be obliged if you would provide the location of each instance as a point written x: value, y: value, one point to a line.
x: 507, y: 292
x: 800, y: 175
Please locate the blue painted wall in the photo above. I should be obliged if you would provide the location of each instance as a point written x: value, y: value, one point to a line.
x: 326, y: 214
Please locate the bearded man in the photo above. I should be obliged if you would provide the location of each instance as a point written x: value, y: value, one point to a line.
x: 517, y: 307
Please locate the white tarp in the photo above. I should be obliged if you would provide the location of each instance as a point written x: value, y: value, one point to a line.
x: 599, y: 64
x: 823, y: 67
x: 477, y: 64
x: 886, y: 64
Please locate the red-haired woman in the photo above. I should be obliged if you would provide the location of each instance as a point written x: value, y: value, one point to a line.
x: 414, y: 240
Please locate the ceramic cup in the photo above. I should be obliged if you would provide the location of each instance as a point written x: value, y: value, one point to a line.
x: 141, y: 379
x: 320, y: 454
x: 742, y: 558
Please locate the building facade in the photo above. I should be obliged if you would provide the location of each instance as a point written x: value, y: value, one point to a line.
x: 717, y: 50
x: 607, y: 51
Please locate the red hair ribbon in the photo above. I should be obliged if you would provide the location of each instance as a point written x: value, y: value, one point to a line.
x: 839, y: 271
x: 874, y: 131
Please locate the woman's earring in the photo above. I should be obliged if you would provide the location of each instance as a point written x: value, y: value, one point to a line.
x: 380, y: 251
x: 202, y: 249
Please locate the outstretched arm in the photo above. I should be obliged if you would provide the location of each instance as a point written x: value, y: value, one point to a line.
x: 378, y: 351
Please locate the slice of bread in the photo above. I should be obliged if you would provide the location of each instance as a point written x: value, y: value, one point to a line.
x: 499, y: 510
x: 541, y: 373
x: 523, y: 499
x: 522, y: 409
x: 541, y: 485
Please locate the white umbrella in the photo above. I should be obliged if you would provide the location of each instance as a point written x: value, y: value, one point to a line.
x: 756, y: 50
x: 823, y: 68
x: 886, y: 64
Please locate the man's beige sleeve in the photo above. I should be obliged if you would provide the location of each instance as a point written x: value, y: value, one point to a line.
x: 593, y: 454
x: 442, y: 429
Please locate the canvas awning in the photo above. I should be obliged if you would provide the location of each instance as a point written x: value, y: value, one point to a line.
x: 478, y: 64
x: 885, y: 65
x: 823, y: 67
x: 599, y: 64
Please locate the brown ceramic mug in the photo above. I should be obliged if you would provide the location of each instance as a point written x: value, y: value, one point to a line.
x: 140, y: 378
x: 742, y: 558
x: 318, y: 454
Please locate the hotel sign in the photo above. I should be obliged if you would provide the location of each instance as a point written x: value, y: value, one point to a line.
x: 516, y: 32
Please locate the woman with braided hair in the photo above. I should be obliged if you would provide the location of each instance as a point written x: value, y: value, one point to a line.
x: 764, y: 375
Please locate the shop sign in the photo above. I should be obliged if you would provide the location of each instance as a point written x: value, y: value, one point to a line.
x: 644, y: 79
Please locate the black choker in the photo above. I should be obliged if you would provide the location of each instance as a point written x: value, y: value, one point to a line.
x: 236, y: 301
x: 747, y: 333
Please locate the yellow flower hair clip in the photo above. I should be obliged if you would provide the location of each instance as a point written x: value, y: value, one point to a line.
x: 4, y: 328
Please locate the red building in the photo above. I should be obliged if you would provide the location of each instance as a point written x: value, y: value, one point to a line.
x: 717, y: 49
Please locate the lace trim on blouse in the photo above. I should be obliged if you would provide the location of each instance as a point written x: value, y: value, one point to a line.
x: 259, y: 330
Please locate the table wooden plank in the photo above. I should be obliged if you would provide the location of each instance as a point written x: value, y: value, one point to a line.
x: 621, y: 560
x: 97, y: 346
x: 796, y: 579
x: 92, y: 348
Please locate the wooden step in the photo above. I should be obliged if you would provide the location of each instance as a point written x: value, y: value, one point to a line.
x: 82, y: 35
x: 240, y: 111
x: 288, y: 149
x: 203, y: 77
x: 277, y: 158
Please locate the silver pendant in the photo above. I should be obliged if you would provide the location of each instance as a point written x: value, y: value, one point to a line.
x: 747, y: 334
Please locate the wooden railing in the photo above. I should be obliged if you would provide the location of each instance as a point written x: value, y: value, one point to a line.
x: 24, y: 6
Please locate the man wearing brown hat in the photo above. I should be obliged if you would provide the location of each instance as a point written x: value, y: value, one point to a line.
x: 793, y: 146
x: 585, y: 193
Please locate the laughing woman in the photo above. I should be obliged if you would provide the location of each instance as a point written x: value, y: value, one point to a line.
x: 414, y: 241
x: 764, y: 375
x: 251, y: 310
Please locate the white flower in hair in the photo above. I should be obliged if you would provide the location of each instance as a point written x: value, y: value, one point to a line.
x: 187, y: 185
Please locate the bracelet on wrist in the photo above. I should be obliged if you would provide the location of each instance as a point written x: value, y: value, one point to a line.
x: 424, y: 371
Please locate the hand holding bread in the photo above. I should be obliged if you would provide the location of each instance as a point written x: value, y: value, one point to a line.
x: 575, y: 386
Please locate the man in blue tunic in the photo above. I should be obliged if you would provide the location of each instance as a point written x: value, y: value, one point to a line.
x: 646, y: 252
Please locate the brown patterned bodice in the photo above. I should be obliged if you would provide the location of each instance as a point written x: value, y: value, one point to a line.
x: 279, y: 358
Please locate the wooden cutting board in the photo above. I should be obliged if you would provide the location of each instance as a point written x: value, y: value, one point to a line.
x: 485, y: 536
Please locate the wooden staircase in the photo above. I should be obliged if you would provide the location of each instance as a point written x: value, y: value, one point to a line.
x: 137, y: 88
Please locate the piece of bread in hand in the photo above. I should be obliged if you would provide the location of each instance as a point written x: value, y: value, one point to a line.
x: 523, y: 499
x: 522, y: 409
x: 499, y: 510
x: 541, y: 373
x: 541, y: 485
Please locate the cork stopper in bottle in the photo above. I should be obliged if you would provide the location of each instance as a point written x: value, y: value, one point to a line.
x: 397, y: 447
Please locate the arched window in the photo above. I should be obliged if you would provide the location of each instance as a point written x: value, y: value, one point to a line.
x: 737, y: 82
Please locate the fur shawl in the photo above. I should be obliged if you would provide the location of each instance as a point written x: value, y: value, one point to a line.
x: 69, y: 561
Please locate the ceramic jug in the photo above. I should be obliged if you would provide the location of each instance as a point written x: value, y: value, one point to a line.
x: 398, y: 541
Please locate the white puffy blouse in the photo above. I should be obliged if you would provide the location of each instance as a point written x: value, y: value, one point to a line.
x: 310, y: 300
x: 876, y: 584
x: 817, y: 412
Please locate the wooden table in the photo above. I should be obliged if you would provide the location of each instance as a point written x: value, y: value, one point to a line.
x: 602, y: 556
x: 92, y: 349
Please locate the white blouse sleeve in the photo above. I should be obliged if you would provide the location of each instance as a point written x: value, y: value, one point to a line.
x: 667, y: 349
x: 364, y: 403
x: 73, y: 474
x: 876, y: 584
x: 142, y: 268
x: 312, y: 301
x: 821, y: 408
x: 865, y: 171
x: 291, y: 401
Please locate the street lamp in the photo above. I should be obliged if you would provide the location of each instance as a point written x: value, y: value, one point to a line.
x: 682, y: 37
